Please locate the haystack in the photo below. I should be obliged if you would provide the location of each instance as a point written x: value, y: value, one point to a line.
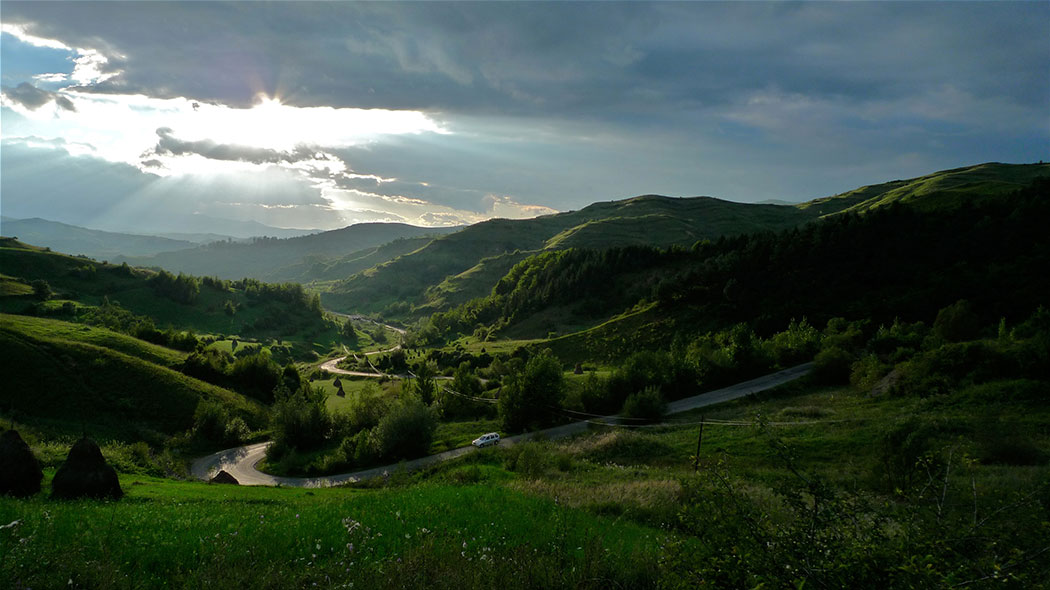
x: 223, y: 476
x: 85, y: 474
x: 20, y: 473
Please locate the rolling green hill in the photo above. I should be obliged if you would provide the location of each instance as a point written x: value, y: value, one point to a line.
x: 317, y: 268
x: 65, y: 379
x: 457, y: 267
x: 267, y: 258
x: 945, y: 189
x: 454, y: 259
x: 893, y: 261
x: 246, y: 308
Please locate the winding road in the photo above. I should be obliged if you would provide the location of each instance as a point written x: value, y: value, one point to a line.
x: 241, y: 461
x: 332, y: 365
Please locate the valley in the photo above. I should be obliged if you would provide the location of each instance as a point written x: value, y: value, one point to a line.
x: 847, y: 392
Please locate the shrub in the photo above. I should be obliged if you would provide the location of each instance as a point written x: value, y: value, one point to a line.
x: 300, y: 420
x: 797, y: 344
x: 866, y: 372
x: 209, y: 421
x: 236, y: 431
x: 455, y: 403
x: 406, y: 431
x: 530, y: 396
x: 832, y: 365
x: 41, y: 289
x: 647, y: 406
x: 528, y: 459
x: 366, y: 409
x: 901, y: 445
x: 898, y: 341
x: 957, y: 322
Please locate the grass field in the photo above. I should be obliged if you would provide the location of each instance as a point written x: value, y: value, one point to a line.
x: 73, y: 378
x: 48, y: 328
x: 607, y: 509
x: 433, y: 533
x: 615, y: 507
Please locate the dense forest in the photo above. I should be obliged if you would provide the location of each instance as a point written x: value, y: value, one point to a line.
x: 893, y: 261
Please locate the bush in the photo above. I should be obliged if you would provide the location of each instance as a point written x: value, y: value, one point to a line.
x: 454, y: 404
x: 236, y: 431
x: 832, y: 366
x: 944, y: 369
x: 41, y: 289
x: 366, y: 409
x: 901, y: 446
x: 899, y: 341
x: 209, y: 421
x: 957, y: 322
x: 595, y: 395
x: 795, y: 345
x: 866, y: 372
x: 528, y: 459
x: 530, y: 396
x: 647, y: 406
x: 300, y: 420
x: 406, y: 431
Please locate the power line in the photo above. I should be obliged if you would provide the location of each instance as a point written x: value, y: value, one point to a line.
x: 477, y: 399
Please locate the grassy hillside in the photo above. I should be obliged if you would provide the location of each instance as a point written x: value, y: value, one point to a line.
x: 211, y: 306
x: 46, y: 328
x: 893, y: 261
x: 447, y: 271
x: 822, y: 485
x: 662, y: 221
x: 945, y: 189
x: 318, y: 269
x: 264, y: 258
x: 100, y: 245
x: 65, y: 379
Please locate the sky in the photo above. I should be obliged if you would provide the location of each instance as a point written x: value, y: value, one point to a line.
x: 144, y: 116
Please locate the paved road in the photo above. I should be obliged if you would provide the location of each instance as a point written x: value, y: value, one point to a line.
x: 240, y: 462
x: 331, y: 367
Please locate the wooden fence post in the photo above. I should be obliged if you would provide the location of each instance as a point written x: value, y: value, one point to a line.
x: 699, y: 439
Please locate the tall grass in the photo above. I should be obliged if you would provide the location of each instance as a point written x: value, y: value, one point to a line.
x: 197, y: 535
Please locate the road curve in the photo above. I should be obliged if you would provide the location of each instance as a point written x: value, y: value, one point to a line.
x: 331, y: 367
x: 241, y: 461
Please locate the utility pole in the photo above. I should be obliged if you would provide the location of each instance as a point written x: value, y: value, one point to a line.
x: 699, y: 439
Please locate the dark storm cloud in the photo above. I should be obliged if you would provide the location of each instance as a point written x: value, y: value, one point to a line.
x: 562, y: 104
x: 613, y: 61
x: 33, y: 98
x: 169, y: 145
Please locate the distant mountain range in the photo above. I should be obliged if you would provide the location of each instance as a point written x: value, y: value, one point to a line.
x: 206, y: 225
x: 298, y: 259
x: 102, y: 245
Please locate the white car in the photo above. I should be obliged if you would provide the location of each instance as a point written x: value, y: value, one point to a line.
x: 485, y: 440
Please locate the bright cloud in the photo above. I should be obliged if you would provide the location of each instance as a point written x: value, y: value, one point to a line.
x: 358, y: 206
x: 19, y: 32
